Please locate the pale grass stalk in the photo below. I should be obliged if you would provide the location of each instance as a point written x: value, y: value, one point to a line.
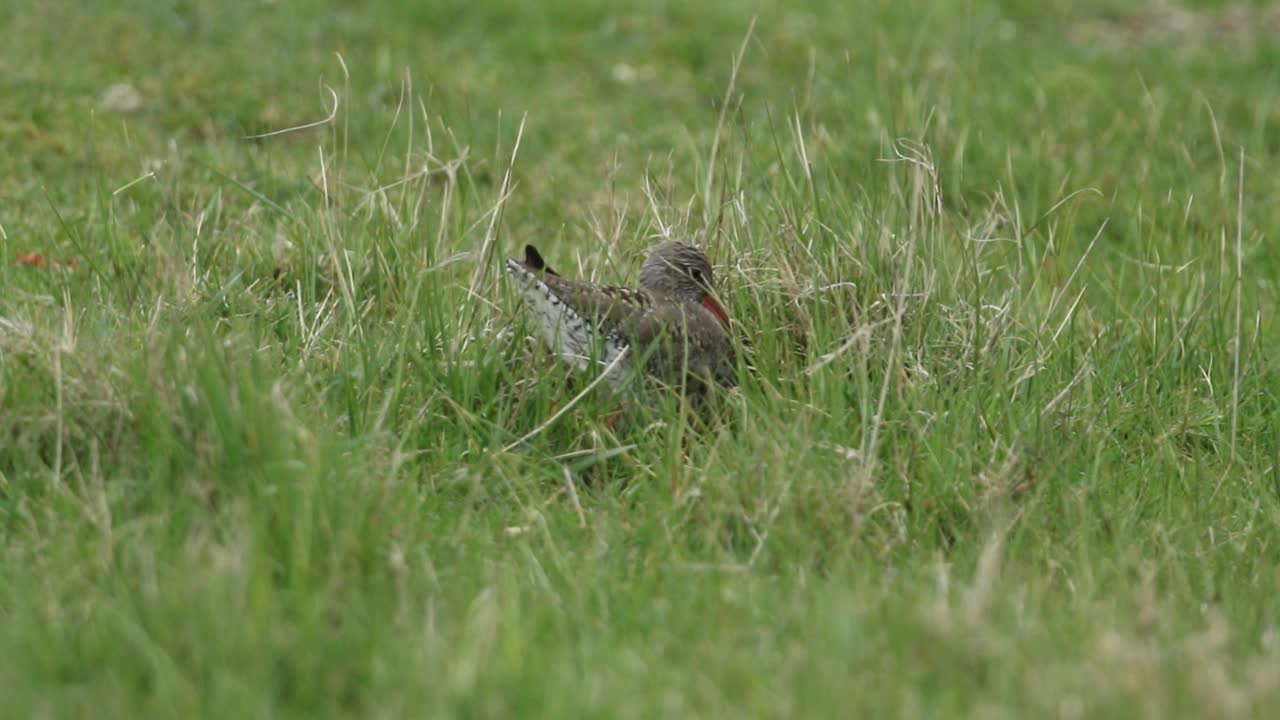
x: 569, y: 405
x: 724, y: 111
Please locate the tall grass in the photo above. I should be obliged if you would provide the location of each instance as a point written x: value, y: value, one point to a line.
x: 277, y: 438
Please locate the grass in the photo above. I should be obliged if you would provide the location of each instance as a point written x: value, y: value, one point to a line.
x: 1010, y: 449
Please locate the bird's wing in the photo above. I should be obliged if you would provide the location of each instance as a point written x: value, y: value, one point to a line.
x: 579, y: 320
x: 673, y: 338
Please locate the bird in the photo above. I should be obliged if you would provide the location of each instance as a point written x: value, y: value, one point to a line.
x: 672, y: 326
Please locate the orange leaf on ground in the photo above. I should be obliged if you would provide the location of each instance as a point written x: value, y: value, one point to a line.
x: 33, y: 259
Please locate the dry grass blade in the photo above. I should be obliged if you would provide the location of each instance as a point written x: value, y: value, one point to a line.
x: 604, y: 374
x: 491, y: 233
x: 709, y: 182
x: 328, y: 119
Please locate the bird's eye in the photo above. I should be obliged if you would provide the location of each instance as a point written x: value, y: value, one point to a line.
x: 697, y: 276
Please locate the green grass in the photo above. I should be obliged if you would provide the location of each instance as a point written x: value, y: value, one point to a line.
x: 1010, y: 450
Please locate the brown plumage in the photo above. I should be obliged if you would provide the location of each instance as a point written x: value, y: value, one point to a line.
x: 671, y: 323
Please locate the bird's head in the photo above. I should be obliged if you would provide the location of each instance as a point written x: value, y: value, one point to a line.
x: 682, y: 272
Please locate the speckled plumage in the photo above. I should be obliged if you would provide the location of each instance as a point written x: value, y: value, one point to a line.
x: 671, y: 323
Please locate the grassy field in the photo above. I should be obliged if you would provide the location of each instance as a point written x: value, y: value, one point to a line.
x: 274, y: 435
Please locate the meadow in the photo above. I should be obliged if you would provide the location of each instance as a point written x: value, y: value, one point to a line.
x: 277, y: 439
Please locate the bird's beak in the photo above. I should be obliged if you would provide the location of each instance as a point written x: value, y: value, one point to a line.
x: 710, y: 303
